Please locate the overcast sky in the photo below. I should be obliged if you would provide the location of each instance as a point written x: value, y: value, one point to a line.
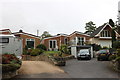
x: 55, y: 16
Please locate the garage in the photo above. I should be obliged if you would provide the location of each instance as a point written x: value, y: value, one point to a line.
x: 76, y: 49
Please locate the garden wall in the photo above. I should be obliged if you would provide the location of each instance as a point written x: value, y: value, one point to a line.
x: 43, y: 58
x: 37, y: 58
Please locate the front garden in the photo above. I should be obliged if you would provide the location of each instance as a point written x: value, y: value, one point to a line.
x: 10, y: 64
x: 40, y: 53
x: 115, y: 58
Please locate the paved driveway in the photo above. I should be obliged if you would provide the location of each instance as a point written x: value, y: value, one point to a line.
x: 89, y: 69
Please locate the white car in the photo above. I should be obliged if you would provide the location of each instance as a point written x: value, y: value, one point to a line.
x: 84, y: 53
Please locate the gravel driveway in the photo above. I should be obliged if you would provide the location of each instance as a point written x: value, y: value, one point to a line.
x: 40, y: 69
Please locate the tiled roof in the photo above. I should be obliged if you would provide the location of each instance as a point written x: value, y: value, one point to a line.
x: 5, y: 30
x: 26, y: 34
x: 97, y: 31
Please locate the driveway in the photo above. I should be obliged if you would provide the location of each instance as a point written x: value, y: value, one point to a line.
x: 73, y: 69
x: 39, y: 69
x: 89, y: 69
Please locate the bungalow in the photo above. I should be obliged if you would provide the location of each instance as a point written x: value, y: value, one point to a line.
x: 29, y: 40
x: 54, y: 42
x: 75, y: 41
x: 79, y: 40
x: 102, y: 35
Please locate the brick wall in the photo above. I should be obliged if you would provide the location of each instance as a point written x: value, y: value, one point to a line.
x: 24, y: 37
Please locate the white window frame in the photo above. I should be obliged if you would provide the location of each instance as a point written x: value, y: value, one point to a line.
x: 103, y: 33
x: 81, y: 40
x: 30, y: 39
x: 52, y: 43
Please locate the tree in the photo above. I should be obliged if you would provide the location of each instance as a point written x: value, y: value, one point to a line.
x: 45, y: 34
x: 113, y: 34
x: 90, y: 27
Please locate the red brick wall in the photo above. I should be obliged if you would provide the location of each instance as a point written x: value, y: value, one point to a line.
x: 46, y: 41
x: 79, y: 35
x: 24, y: 37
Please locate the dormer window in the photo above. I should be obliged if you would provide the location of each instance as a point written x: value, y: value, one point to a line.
x: 105, y: 33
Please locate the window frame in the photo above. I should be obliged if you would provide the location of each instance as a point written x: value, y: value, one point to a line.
x: 81, y: 40
x: 5, y: 38
x: 30, y: 39
x: 105, y: 33
x: 53, y: 46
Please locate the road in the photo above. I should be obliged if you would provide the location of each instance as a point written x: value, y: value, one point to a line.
x: 89, y: 69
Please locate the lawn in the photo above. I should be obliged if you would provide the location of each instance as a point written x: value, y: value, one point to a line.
x: 54, y: 53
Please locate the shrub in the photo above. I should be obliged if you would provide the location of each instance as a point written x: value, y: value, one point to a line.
x: 64, y: 49
x: 118, y: 52
x: 10, y: 58
x: 112, y: 57
x: 96, y: 47
x: 10, y: 67
x: 117, y: 58
x: 35, y: 52
x: 42, y: 47
x: 116, y: 44
x: 10, y: 63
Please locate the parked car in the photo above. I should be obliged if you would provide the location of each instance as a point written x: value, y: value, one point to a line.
x: 84, y: 54
x: 103, y: 54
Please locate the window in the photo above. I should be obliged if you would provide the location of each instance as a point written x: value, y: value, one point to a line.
x: 80, y: 41
x: 105, y: 33
x: 4, y: 40
x: 30, y: 43
x: 52, y: 44
x: 66, y: 41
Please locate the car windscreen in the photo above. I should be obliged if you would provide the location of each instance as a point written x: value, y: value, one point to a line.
x: 84, y: 52
x: 102, y: 51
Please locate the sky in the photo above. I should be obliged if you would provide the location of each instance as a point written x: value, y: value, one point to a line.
x: 55, y: 16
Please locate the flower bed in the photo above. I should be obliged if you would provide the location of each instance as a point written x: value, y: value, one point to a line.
x: 10, y: 64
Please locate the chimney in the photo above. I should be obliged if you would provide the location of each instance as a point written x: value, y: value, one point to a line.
x: 20, y: 30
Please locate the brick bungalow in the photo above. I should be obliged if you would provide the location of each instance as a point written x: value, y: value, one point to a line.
x: 29, y: 40
x: 76, y: 38
x: 54, y: 42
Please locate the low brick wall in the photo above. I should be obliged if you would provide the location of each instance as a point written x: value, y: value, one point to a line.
x: 43, y: 58
x: 69, y: 57
x: 37, y: 58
